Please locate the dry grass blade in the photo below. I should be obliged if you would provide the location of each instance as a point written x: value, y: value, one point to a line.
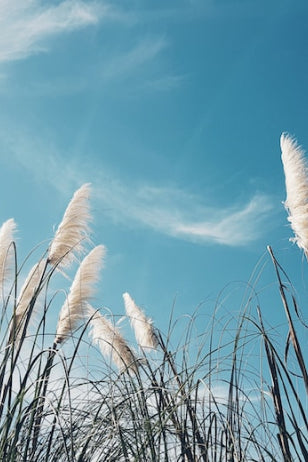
x: 73, y: 231
x: 276, y: 396
x: 82, y: 290
x: 292, y: 331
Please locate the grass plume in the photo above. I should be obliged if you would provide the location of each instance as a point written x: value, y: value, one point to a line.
x: 74, y: 309
x: 28, y: 293
x: 73, y: 231
x: 110, y: 341
x: 296, y: 179
x: 142, y: 326
x: 224, y: 388
x: 7, y: 231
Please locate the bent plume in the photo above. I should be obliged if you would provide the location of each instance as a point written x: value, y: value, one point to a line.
x: 74, y: 309
x: 296, y: 179
x: 111, y: 342
x: 73, y: 231
x: 142, y: 326
x: 6, y: 252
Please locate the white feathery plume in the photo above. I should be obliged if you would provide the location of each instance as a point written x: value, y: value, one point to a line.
x: 142, y: 326
x: 6, y: 255
x: 27, y: 292
x: 73, y: 231
x: 82, y: 290
x: 110, y: 341
x: 296, y: 179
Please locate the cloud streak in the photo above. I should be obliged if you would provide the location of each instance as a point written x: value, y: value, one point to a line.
x: 141, y: 63
x: 179, y: 214
x: 169, y: 210
x: 122, y: 65
x: 27, y: 28
x: 26, y: 25
x: 236, y: 227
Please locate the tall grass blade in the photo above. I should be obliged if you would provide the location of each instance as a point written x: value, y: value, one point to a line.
x: 292, y: 331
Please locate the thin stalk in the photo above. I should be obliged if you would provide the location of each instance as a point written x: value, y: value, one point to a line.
x: 293, y: 336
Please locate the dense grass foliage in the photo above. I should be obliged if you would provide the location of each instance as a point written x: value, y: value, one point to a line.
x: 229, y: 393
x: 219, y: 385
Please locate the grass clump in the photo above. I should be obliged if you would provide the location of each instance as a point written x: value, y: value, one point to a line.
x: 229, y: 390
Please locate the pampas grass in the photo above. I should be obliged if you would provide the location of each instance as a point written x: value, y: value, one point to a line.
x: 225, y: 387
x: 73, y: 231
x: 82, y: 290
x: 142, y: 326
x: 110, y: 341
x: 296, y: 179
x: 28, y: 293
x: 6, y: 253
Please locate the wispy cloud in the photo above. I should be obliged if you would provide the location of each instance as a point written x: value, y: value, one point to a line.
x: 132, y: 59
x: 182, y: 215
x: 26, y: 25
x: 169, y: 210
x: 165, y: 83
x: 236, y: 226
x: 143, y: 65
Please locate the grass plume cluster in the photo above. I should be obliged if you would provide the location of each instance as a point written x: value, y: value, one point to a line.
x: 228, y: 390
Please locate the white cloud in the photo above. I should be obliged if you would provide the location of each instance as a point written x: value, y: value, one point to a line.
x: 237, y: 226
x: 25, y: 25
x: 165, y: 83
x: 182, y: 215
x: 132, y: 59
x: 144, y: 64
x: 168, y: 210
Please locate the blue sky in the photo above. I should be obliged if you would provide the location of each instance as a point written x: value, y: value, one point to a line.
x: 173, y: 111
